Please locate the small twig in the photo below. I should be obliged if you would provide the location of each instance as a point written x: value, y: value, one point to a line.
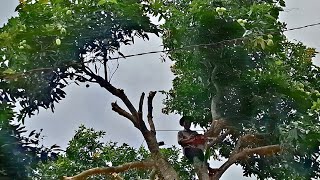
x: 105, y: 68
x: 114, y: 70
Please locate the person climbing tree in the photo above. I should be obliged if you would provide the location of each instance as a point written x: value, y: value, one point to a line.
x: 193, y: 144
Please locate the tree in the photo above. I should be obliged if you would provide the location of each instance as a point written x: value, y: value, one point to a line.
x: 234, y: 65
x: 86, y: 151
x: 69, y: 40
x: 255, y: 92
x: 19, y: 154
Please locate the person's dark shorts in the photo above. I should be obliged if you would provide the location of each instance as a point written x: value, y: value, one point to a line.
x: 190, y: 153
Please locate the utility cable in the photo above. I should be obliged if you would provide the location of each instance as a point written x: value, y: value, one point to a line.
x: 210, y: 44
x: 169, y: 50
x: 302, y: 27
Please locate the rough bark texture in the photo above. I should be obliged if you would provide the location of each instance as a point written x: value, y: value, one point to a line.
x: 201, y: 169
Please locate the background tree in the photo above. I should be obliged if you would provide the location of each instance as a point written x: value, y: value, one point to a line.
x: 86, y: 151
x: 62, y: 40
x: 19, y: 154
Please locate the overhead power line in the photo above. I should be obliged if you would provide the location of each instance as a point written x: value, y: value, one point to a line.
x: 210, y: 44
x: 169, y: 50
x: 302, y: 27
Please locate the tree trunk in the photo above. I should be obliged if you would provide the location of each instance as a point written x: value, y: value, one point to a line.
x: 162, y: 164
x: 201, y: 169
x: 166, y: 170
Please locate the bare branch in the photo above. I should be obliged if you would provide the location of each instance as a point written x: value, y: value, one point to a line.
x: 110, y: 170
x: 124, y: 113
x: 117, y: 92
x: 165, y: 168
x: 150, y: 109
x: 141, y: 105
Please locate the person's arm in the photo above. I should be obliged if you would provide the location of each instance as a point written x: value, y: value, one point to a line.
x: 183, y: 141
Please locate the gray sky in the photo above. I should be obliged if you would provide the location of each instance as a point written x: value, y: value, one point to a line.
x: 91, y: 106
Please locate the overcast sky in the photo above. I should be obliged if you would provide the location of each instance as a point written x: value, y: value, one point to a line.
x: 91, y: 106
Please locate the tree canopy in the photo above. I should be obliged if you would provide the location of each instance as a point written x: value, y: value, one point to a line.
x: 255, y: 92
x: 234, y: 63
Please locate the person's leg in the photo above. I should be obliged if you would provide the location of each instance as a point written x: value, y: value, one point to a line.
x: 190, y: 153
x: 196, y: 156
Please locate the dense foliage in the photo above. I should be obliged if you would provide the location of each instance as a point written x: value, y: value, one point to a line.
x: 43, y: 48
x: 52, y: 42
x: 231, y: 61
x: 86, y: 151
x: 19, y: 153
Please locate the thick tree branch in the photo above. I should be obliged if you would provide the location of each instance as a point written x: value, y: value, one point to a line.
x: 218, y: 139
x: 245, y: 141
x: 150, y: 110
x: 216, y: 127
x: 261, y: 151
x: 122, y: 112
x: 110, y: 170
x: 245, y: 153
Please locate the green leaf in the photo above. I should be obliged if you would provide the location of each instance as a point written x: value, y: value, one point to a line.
x: 269, y: 16
x: 263, y: 44
x: 101, y: 2
x: 9, y: 71
x: 113, y: 1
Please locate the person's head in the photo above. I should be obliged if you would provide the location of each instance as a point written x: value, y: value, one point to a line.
x: 185, y: 121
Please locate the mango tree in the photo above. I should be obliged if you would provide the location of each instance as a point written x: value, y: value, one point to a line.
x: 255, y: 92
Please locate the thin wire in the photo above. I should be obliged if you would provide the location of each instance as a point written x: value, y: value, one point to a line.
x: 184, y: 47
x: 210, y: 44
x: 168, y: 50
x: 302, y: 27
